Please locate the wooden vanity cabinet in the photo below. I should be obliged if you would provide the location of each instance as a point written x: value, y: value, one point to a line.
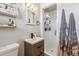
x: 36, y: 49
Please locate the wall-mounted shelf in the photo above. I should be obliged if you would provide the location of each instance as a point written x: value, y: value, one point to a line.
x: 30, y: 24
x: 10, y: 11
x: 8, y: 4
x: 6, y: 13
x: 7, y: 26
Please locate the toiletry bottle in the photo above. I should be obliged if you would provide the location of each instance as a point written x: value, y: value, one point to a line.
x: 9, y: 22
x: 12, y: 22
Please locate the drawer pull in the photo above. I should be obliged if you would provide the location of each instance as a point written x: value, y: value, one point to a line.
x: 39, y: 46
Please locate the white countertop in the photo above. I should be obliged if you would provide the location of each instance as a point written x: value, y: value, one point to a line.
x: 34, y: 40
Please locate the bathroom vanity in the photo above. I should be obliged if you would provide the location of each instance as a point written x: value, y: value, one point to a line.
x: 34, y: 47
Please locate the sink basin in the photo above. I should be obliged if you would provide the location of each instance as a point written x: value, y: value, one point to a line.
x: 34, y: 40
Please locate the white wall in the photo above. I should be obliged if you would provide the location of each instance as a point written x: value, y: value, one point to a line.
x: 18, y: 34
x: 68, y: 7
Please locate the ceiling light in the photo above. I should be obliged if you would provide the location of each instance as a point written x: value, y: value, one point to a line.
x: 28, y: 5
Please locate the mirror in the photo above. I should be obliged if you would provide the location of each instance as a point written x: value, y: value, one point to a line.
x: 30, y: 17
x: 31, y: 13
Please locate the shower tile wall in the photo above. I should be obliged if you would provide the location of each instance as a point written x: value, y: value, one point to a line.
x: 50, y: 36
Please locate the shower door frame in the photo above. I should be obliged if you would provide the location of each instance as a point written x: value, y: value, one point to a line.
x: 46, y: 7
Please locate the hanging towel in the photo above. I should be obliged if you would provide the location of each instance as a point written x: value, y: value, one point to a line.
x: 63, y: 27
x: 72, y: 31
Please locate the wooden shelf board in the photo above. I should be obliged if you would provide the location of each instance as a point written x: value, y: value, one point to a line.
x: 7, y: 26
